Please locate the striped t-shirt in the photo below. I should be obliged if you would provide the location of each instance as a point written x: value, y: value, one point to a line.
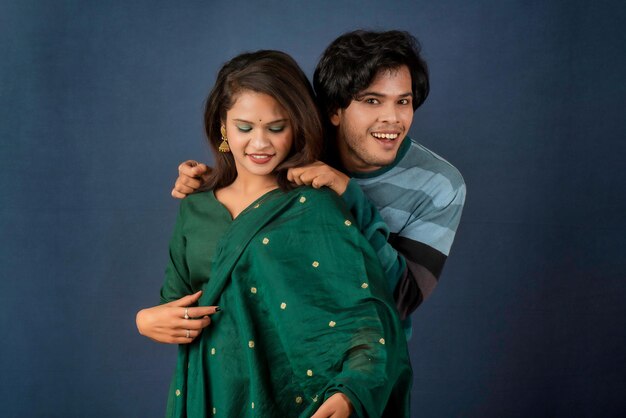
x: 420, y: 198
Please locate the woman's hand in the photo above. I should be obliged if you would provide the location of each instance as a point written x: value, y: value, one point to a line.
x: 317, y: 175
x: 337, y: 406
x: 191, y: 175
x: 167, y: 324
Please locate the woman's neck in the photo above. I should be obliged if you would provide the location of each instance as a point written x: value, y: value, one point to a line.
x: 237, y: 196
x: 253, y: 185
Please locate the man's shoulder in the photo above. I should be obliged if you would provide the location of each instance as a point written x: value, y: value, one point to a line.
x: 419, y: 170
x: 420, y: 161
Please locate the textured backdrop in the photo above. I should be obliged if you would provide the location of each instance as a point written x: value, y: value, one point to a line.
x: 100, y: 101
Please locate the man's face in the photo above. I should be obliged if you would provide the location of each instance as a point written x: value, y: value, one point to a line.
x: 372, y: 127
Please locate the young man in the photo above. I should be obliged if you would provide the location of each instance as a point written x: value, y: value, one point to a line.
x: 368, y: 85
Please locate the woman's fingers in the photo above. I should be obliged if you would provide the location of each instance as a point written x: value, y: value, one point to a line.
x: 200, y: 311
x: 193, y: 323
x: 337, y: 406
x: 189, y: 334
x: 175, y: 322
x: 186, y: 301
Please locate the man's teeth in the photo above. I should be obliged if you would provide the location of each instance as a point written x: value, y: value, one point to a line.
x: 384, y: 136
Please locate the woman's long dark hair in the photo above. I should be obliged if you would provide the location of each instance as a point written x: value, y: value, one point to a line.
x: 276, y: 74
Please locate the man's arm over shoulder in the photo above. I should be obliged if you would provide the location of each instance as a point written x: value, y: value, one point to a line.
x: 413, y: 258
x: 376, y: 231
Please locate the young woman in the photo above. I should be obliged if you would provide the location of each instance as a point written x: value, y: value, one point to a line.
x: 306, y: 326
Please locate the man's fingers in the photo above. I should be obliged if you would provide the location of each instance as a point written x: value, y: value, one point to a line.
x: 304, y: 177
x: 189, y: 182
x: 177, y: 195
x: 319, y: 179
x: 201, y: 169
x: 187, y: 167
x: 322, y: 179
x: 293, y: 175
x: 182, y: 188
x: 191, y: 168
x: 296, y: 174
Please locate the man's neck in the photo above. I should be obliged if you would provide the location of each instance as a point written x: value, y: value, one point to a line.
x: 351, y: 163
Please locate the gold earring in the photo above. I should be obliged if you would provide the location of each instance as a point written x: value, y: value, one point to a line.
x: 224, y: 145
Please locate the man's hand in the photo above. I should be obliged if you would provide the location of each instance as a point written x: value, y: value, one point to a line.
x: 191, y: 175
x: 317, y: 175
x: 337, y: 406
x: 167, y: 323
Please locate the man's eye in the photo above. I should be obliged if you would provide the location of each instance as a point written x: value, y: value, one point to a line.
x: 404, y: 102
x: 276, y: 129
x: 371, y: 101
x: 244, y: 128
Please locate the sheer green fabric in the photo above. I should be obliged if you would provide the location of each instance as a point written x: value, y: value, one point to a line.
x: 305, y: 311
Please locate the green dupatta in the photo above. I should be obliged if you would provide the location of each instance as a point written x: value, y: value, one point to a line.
x: 306, y: 311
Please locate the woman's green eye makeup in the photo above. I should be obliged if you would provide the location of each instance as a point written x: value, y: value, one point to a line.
x: 248, y: 128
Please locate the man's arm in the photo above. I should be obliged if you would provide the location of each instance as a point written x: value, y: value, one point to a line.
x: 412, y: 267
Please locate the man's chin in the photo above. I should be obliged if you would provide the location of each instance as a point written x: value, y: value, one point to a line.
x: 373, y: 164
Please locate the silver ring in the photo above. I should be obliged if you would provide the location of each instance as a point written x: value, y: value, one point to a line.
x: 186, y: 316
x: 187, y: 334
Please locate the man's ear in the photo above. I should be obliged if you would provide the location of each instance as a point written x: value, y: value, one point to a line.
x: 335, y: 117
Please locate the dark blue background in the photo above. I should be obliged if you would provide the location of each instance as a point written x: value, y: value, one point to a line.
x: 100, y: 101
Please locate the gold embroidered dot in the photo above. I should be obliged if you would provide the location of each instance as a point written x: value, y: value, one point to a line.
x: 266, y: 241
x: 347, y: 223
x: 256, y: 206
x: 253, y: 290
x: 309, y: 372
x: 332, y: 324
x: 382, y: 341
x: 214, y: 411
x: 315, y: 398
x: 252, y: 405
x: 251, y: 343
x: 315, y: 264
x: 302, y: 199
x: 213, y: 351
x: 283, y: 305
x: 365, y: 285
x: 298, y: 399
x: 177, y: 392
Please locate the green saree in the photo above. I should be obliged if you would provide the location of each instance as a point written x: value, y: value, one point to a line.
x: 305, y: 311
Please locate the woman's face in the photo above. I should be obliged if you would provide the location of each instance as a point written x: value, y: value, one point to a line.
x: 259, y: 134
